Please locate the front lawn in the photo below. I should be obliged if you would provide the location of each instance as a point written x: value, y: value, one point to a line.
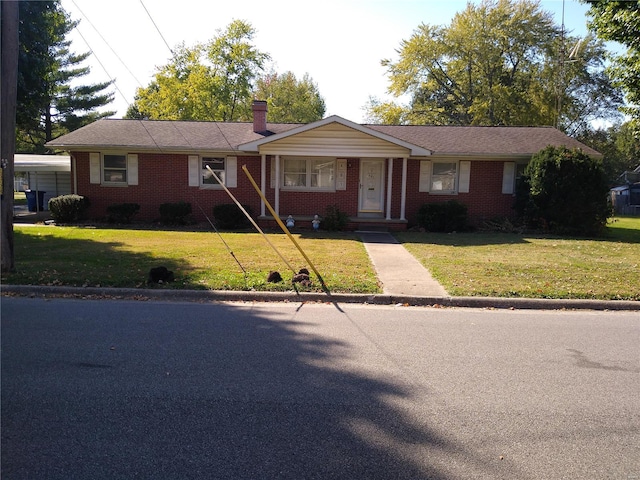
x: 107, y: 257
x: 512, y: 265
x: 480, y: 264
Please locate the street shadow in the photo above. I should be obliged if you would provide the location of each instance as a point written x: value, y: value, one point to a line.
x: 158, y: 390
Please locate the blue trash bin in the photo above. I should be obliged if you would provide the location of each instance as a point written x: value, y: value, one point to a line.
x: 31, y: 200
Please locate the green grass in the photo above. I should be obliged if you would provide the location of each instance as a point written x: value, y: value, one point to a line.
x: 19, y: 198
x: 512, y: 265
x: 483, y: 264
x: 122, y: 258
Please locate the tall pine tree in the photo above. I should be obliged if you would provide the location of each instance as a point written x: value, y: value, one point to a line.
x: 50, y: 102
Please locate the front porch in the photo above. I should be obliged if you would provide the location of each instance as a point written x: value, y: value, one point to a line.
x: 303, y: 223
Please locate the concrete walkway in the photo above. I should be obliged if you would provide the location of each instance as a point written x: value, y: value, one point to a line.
x: 399, y: 271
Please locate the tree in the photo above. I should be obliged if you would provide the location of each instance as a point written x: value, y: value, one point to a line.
x: 211, y: 81
x: 290, y: 100
x: 619, y: 146
x: 567, y: 192
x: 48, y: 104
x: 620, y: 22
x: 499, y: 62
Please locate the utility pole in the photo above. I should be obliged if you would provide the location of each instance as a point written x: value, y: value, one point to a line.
x: 562, y: 87
x: 9, y: 17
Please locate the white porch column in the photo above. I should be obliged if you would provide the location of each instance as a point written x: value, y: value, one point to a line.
x: 276, y: 205
x: 389, y: 187
x: 263, y: 182
x: 403, y: 200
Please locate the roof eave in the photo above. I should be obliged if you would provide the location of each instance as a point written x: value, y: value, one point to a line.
x: 141, y: 148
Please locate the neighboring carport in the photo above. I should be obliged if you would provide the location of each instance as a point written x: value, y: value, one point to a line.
x: 42, y: 177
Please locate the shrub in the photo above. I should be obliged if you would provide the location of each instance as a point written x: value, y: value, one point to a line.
x: 443, y: 217
x: 334, y: 219
x: 175, y: 213
x: 502, y: 224
x: 122, y: 212
x: 229, y: 216
x: 68, y: 208
x: 567, y: 192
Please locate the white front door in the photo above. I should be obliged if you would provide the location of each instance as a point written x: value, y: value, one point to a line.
x: 371, y: 187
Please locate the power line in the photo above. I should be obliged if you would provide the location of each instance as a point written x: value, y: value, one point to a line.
x: 103, y: 67
x: 107, y: 43
x: 154, y: 24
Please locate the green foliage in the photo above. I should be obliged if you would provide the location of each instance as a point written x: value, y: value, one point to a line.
x: 386, y: 113
x: 619, y: 146
x: 290, y: 100
x: 567, y: 192
x: 211, y: 81
x: 450, y: 216
x: 334, y: 219
x: 48, y: 104
x: 122, y: 212
x: 175, y: 213
x: 620, y: 22
x: 218, y: 81
x: 497, y: 63
x: 228, y: 216
x: 68, y: 208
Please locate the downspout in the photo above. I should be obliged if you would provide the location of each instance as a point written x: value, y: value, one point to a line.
x: 389, y: 187
x: 403, y: 200
x: 277, y: 184
x: 75, y: 174
x: 263, y: 182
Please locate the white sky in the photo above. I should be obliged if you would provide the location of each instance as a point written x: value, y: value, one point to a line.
x: 339, y: 43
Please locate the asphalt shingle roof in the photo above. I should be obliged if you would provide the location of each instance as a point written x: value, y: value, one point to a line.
x: 482, y: 140
x: 164, y: 135
x: 215, y: 136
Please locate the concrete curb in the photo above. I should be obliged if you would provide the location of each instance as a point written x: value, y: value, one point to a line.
x: 377, y: 299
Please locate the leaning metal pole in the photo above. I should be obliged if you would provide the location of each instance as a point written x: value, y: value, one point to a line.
x: 223, y: 241
x: 282, y: 225
x: 250, y: 219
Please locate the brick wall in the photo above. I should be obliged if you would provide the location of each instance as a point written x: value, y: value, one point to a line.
x: 312, y: 203
x: 485, y: 199
x: 164, y: 178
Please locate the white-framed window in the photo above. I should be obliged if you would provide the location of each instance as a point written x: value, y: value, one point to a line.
x: 217, y: 165
x: 113, y: 168
x: 301, y: 173
x: 225, y: 169
x: 444, y: 177
x: 511, y: 174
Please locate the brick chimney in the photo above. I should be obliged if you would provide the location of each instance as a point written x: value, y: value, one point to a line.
x: 259, y: 108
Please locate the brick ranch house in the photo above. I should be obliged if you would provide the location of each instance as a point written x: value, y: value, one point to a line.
x: 379, y: 175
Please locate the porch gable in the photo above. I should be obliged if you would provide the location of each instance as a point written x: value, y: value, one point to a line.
x: 337, y: 137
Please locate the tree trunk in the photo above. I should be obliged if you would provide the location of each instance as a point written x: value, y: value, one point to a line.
x: 9, y: 64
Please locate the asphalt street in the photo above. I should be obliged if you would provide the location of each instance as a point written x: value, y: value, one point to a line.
x: 220, y: 390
